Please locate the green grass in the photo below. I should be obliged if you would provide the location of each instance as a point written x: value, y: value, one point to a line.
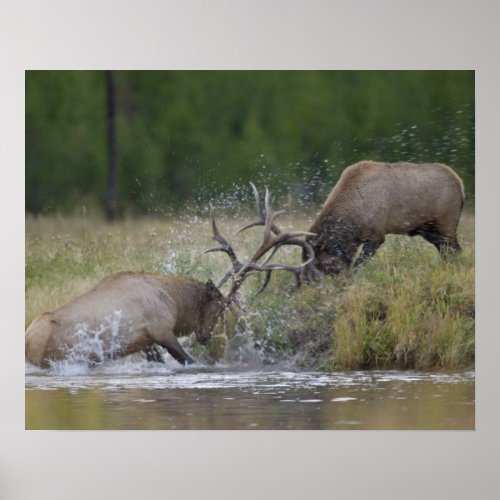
x: 406, y: 308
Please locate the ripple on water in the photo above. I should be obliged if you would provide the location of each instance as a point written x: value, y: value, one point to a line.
x: 128, y: 373
x: 134, y: 392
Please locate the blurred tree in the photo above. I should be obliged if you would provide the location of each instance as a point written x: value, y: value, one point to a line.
x: 111, y: 135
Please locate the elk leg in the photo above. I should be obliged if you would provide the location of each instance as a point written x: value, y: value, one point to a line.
x: 370, y: 246
x: 177, y: 352
x: 452, y: 244
x: 154, y: 354
x: 445, y: 244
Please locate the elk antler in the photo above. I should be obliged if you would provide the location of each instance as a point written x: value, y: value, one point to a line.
x: 308, y: 268
x: 273, y: 239
x: 225, y: 247
x: 260, y: 213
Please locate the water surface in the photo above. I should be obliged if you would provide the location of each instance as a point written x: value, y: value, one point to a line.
x: 154, y: 396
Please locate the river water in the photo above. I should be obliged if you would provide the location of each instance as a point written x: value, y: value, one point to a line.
x: 141, y: 395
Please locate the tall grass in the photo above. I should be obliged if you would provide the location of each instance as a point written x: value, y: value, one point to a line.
x: 405, y: 308
x: 408, y: 309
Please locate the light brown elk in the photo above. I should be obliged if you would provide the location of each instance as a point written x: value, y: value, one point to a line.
x: 373, y: 199
x: 128, y: 312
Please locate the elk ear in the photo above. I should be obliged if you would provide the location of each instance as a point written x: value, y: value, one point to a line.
x: 211, y: 289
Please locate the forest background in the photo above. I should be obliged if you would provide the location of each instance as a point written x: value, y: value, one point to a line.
x: 182, y: 138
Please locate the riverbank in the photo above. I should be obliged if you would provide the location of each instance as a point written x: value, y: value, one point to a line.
x: 405, y: 309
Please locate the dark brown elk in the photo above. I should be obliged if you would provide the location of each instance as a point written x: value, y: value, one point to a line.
x: 373, y: 199
x: 129, y: 312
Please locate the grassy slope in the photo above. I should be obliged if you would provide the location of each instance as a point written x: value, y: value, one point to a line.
x: 406, y: 308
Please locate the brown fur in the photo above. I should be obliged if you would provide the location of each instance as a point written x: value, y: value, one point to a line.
x: 373, y: 199
x: 146, y: 309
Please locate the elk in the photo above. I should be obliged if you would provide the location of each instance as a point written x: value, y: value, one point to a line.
x: 372, y: 199
x: 130, y: 312
x: 126, y: 312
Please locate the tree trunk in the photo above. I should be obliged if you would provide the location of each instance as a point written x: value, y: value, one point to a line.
x: 111, y: 194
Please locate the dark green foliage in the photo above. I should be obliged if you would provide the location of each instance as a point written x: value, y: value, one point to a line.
x: 187, y: 136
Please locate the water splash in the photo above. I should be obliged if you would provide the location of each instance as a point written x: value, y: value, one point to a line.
x: 169, y: 264
x: 91, y: 346
x: 242, y: 351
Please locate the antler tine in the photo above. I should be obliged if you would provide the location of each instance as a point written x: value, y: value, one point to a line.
x: 226, y: 248
x: 273, y: 237
x: 248, y: 226
x: 270, y: 216
x: 257, y: 199
x: 258, y: 208
x: 225, y: 245
x: 217, y: 236
x: 271, y: 255
x: 261, y: 214
x: 304, y: 270
x: 266, y: 282
x: 225, y: 277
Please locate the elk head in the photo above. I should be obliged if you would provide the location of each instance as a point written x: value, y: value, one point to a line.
x: 211, y: 309
x: 273, y: 239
